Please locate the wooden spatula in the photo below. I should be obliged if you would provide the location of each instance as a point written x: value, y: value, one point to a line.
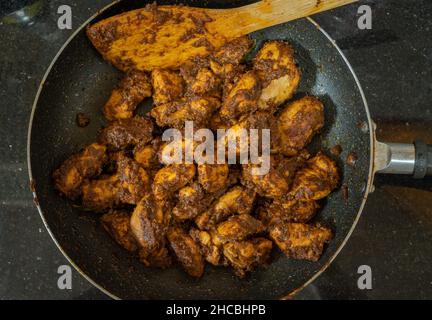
x: 167, y: 36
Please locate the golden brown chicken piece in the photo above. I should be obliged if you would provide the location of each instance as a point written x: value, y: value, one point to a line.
x: 159, y: 258
x: 147, y: 154
x: 210, y: 246
x: 316, y: 180
x: 297, y: 124
x: 300, y: 241
x: 168, y: 86
x: 101, y: 193
x: 277, y: 69
x: 125, y: 97
x: 149, y: 223
x: 88, y: 163
x: 134, y: 180
x: 243, y: 97
x: 201, y: 81
x: 116, y: 223
x: 238, y: 227
x: 244, y: 256
x: 237, y: 200
x: 127, y: 132
x: 171, y: 178
x: 192, y: 200
x: 213, y: 177
x: 233, y: 51
x: 187, y: 251
x: 288, y: 210
x: 277, y: 181
x: 196, y: 109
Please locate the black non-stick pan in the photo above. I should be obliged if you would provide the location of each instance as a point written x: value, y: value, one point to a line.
x: 78, y: 80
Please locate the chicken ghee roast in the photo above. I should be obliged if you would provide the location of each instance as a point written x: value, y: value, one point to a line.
x: 216, y: 213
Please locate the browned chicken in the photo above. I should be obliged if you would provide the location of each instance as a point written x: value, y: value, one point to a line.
x: 102, y: 193
x: 88, y: 163
x: 116, y: 223
x: 243, y: 97
x: 192, y: 200
x: 171, y: 178
x: 187, y: 252
x: 244, y: 256
x: 168, y: 86
x: 297, y: 124
x: 300, y: 241
x: 237, y: 200
x: 125, y: 97
x: 146, y: 154
x: 277, y: 69
x: 213, y: 177
x: 159, y: 258
x: 316, y: 180
x: 210, y: 246
x: 175, y: 114
x: 149, y: 223
x: 288, y: 210
x: 238, y: 227
x: 201, y: 81
x: 127, y: 132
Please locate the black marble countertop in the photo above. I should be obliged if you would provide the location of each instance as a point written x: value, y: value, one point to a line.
x: 394, y: 235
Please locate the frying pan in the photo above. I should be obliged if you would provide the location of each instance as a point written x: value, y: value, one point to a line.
x: 78, y: 80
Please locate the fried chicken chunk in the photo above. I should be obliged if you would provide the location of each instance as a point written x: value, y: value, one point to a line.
x: 192, y: 200
x: 236, y: 200
x: 277, y: 181
x: 210, y: 246
x: 316, y: 180
x: 149, y: 223
x: 238, y: 227
x: 68, y: 178
x: 127, y: 132
x: 233, y: 51
x: 213, y: 177
x: 298, y: 123
x: 204, y: 82
x: 175, y: 114
x: 102, y: 193
x: 125, y: 97
x: 300, y: 241
x: 134, y: 180
x: 244, y: 256
x: 147, y: 154
x: 187, y: 251
x: 171, y: 178
x: 277, y: 69
x: 168, y: 86
x: 243, y: 97
x: 116, y: 223
x: 287, y: 210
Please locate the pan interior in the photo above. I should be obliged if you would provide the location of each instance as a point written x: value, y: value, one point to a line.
x: 80, y: 81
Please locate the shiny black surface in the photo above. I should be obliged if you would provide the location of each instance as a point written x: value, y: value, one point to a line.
x: 394, y: 234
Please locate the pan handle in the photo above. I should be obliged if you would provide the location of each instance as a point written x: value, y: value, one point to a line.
x: 403, y: 158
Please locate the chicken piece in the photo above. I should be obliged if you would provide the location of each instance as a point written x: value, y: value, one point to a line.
x: 200, y: 80
x: 175, y: 114
x: 125, y: 97
x: 277, y: 181
x: 159, y: 258
x: 277, y: 69
x: 88, y: 163
x: 102, y: 193
x: 172, y: 178
x: 187, y: 252
x: 210, y: 246
x: 116, y: 223
x: 287, y: 210
x: 316, y: 180
x: 300, y: 241
x: 127, y: 132
x: 192, y: 201
x: 238, y: 227
x: 244, y: 256
x: 149, y: 223
x: 168, y: 86
x: 243, y: 97
x: 234, y: 51
x: 134, y: 180
x: 147, y: 154
x: 297, y: 124
x: 237, y: 200
x: 213, y: 177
